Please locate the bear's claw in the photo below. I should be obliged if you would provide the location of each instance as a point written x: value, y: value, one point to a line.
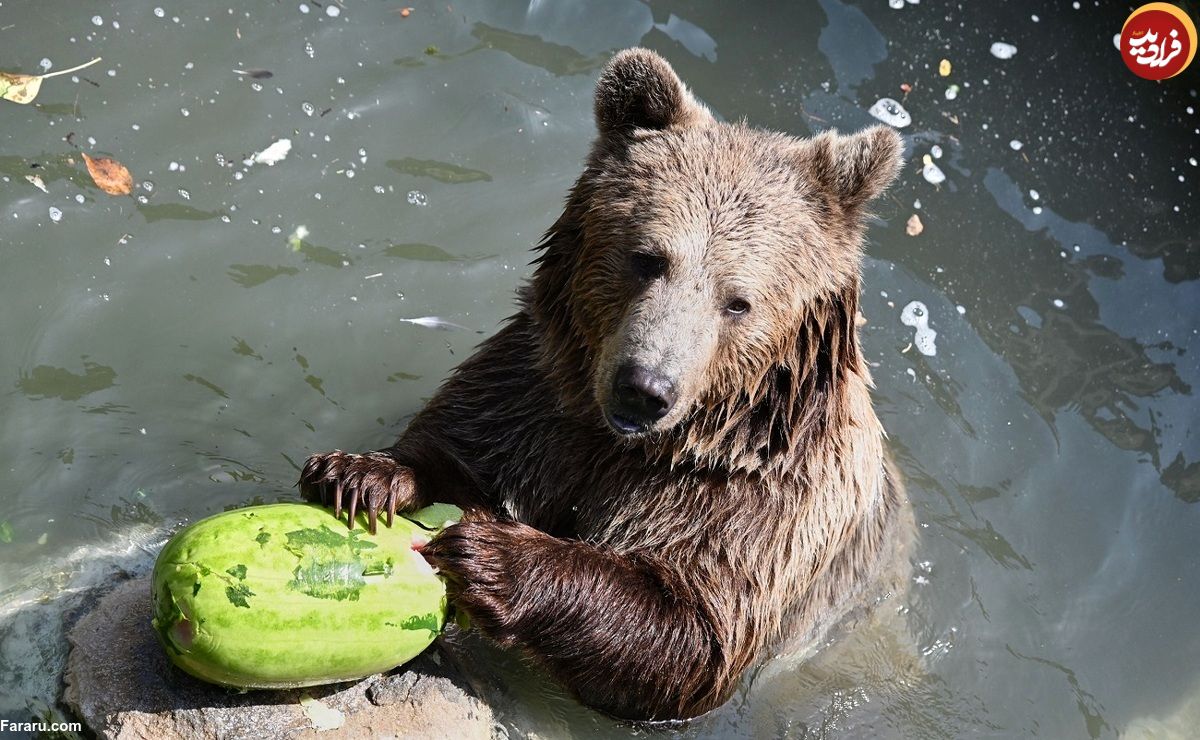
x: 374, y: 482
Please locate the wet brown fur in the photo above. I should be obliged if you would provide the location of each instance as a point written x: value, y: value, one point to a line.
x: 648, y: 573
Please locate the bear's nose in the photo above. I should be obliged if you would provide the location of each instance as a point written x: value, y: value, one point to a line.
x: 642, y: 397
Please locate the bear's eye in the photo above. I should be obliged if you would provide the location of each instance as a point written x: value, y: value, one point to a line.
x: 647, y: 266
x: 737, y: 307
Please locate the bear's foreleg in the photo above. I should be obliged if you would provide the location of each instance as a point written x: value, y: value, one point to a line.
x: 622, y: 631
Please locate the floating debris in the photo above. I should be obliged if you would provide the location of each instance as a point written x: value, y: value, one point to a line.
x: 1002, y: 50
x: 1015, y: 145
x: 434, y: 322
x: 272, y: 155
x: 332, y: 10
x: 916, y: 315
x: 296, y: 240
x: 936, y: 151
x: 931, y: 172
x: 417, y: 198
x: 895, y: 4
x: 55, y: 214
x: 952, y: 92
x: 1034, y: 194
x: 24, y: 88
x: 944, y: 68
x: 890, y: 112
x: 36, y: 181
x: 255, y: 74
x: 109, y: 175
x: 914, y: 225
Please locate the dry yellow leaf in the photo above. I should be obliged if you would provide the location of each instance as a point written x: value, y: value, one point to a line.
x: 24, y: 88
x: 914, y: 225
x: 19, y: 88
x: 109, y: 175
x: 944, y: 68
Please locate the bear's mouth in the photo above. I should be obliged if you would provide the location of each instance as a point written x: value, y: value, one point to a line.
x: 625, y: 426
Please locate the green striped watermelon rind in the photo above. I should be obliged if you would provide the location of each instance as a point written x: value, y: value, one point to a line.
x: 284, y: 595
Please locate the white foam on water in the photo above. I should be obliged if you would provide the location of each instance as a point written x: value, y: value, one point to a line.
x: 272, y: 155
x: 933, y: 174
x: 890, y: 112
x: 1003, y: 50
x: 916, y: 315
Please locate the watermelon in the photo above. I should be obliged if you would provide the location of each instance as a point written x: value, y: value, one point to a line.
x: 286, y: 595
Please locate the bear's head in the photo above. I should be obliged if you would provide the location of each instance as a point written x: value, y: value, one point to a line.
x: 699, y: 292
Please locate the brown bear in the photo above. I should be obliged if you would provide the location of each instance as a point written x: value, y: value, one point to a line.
x: 668, y: 456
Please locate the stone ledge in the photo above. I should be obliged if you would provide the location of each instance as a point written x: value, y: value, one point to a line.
x: 121, y: 685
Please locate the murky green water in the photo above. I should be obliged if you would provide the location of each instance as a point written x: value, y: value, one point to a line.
x: 167, y: 355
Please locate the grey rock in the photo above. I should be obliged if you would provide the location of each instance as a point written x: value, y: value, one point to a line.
x: 121, y: 684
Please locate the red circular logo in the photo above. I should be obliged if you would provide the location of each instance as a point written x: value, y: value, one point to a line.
x: 1158, y: 41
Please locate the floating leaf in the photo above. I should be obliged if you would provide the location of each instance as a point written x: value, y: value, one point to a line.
x: 109, y: 175
x: 19, y: 88
x: 37, y: 182
x: 24, y: 88
x: 6, y: 532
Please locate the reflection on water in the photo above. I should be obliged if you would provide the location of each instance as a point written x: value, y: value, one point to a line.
x: 173, y: 354
x: 440, y: 171
x: 45, y: 381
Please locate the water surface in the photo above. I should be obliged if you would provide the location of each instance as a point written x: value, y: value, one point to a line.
x: 167, y: 355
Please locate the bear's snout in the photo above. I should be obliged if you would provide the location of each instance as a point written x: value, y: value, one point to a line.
x: 640, y: 397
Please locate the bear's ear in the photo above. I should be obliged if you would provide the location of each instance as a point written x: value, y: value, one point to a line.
x: 638, y: 89
x: 855, y: 169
